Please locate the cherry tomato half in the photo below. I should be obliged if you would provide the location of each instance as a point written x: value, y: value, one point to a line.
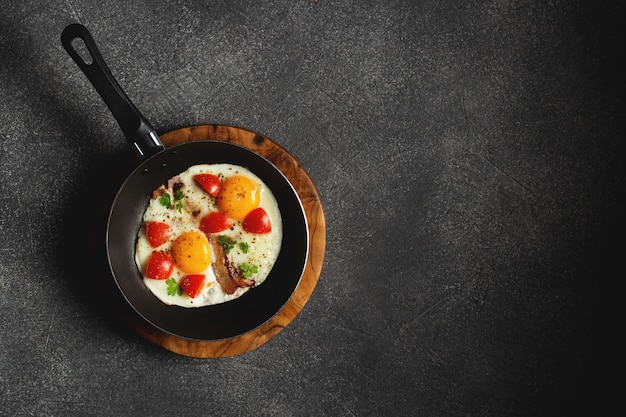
x: 158, y: 233
x: 209, y: 182
x: 215, y: 222
x: 257, y: 221
x: 160, y: 266
x: 192, y: 284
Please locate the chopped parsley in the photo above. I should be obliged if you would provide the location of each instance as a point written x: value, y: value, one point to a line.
x: 243, y: 246
x: 166, y: 200
x: 178, y: 199
x: 226, y: 242
x: 248, y: 270
x: 173, y: 288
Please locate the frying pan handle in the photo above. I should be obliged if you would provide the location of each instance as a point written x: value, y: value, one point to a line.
x: 135, y: 127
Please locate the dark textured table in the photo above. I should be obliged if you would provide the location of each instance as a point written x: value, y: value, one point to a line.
x: 470, y: 160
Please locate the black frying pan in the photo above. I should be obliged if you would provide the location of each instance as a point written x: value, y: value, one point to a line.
x: 157, y: 165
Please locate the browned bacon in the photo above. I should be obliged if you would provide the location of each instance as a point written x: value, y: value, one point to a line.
x: 228, y: 275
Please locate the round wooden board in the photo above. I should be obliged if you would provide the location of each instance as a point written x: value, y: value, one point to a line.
x: 309, y: 196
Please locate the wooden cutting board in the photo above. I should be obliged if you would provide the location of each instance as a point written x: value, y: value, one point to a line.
x: 310, y: 198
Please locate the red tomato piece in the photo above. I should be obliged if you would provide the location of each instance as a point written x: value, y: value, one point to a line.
x: 211, y: 183
x: 192, y: 284
x: 160, y: 266
x: 257, y: 221
x: 215, y: 222
x: 158, y: 233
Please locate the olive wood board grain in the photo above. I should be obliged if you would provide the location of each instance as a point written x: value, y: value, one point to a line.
x: 311, y: 202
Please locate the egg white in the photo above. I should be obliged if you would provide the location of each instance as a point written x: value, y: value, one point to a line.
x: 263, y: 249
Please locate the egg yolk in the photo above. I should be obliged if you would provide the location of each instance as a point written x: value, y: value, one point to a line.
x: 238, y: 196
x: 191, y: 252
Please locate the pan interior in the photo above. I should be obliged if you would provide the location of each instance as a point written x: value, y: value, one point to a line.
x: 220, y: 321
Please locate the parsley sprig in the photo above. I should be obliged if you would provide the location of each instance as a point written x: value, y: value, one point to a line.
x: 166, y: 200
x: 248, y: 270
x: 228, y: 244
x: 173, y: 288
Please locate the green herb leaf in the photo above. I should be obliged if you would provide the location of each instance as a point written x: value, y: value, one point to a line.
x: 178, y: 199
x: 226, y: 242
x: 244, y: 247
x: 165, y: 200
x: 248, y: 270
x: 173, y: 288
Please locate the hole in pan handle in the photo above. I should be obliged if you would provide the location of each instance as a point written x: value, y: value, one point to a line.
x: 137, y: 130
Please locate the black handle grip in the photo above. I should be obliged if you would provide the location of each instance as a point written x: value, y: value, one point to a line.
x: 135, y: 127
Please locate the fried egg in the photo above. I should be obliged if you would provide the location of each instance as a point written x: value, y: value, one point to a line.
x: 195, y: 267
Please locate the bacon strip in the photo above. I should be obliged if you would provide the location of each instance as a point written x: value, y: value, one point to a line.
x: 228, y: 275
x: 174, y: 184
